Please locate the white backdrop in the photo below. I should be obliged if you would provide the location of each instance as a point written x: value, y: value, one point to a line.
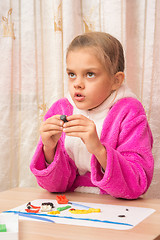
x: 34, y: 36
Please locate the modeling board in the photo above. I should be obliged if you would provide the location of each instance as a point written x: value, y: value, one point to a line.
x: 111, y: 216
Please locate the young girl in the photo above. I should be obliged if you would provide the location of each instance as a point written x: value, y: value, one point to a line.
x: 105, y: 145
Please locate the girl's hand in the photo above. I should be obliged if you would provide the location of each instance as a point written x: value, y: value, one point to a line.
x: 51, y: 131
x: 84, y: 128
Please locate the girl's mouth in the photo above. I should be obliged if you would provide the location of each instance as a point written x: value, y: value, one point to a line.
x: 79, y: 97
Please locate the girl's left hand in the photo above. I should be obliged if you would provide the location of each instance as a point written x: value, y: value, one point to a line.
x: 84, y: 128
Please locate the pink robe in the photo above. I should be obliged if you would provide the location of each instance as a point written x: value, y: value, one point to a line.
x: 128, y: 141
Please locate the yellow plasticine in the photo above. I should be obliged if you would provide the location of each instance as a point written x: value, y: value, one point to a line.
x: 54, y: 212
x: 95, y: 210
x: 76, y: 211
x: 90, y: 210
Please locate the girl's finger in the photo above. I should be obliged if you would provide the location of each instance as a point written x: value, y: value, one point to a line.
x: 52, y: 133
x: 76, y: 134
x: 50, y: 127
x: 76, y: 116
x: 75, y: 129
x: 74, y: 123
x: 54, y: 120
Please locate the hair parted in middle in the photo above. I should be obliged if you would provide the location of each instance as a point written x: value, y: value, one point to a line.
x: 107, y: 48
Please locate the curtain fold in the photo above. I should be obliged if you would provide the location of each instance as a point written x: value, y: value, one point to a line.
x: 34, y: 36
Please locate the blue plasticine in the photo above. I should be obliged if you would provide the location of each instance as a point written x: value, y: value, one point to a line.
x: 34, y: 217
x: 79, y: 205
x: 58, y: 216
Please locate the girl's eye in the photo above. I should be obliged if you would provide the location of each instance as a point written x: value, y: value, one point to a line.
x: 71, y: 75
x: 90, y: 75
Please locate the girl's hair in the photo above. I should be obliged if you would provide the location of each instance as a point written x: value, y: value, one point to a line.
x: 107, y: 48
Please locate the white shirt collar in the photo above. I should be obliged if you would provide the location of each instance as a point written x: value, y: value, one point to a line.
x: 122, y: 92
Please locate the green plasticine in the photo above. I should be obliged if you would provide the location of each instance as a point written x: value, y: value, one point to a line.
x: 3, y: 228
x: 63, y: 208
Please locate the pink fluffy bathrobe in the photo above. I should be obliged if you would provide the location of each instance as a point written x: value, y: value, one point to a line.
x: 128, y: 141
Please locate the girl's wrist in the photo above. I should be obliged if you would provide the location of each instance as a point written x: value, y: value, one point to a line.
x: 101, y: 155
x: 49, y: 153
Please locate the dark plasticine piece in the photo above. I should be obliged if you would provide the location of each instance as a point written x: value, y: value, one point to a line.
x: 48, y: 203
x: 63, y: 118
x: 121, y: 215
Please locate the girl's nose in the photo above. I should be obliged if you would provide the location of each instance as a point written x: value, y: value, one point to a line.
x: 79, y: 83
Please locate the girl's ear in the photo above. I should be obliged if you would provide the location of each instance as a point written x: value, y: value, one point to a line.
x: 118, y: 80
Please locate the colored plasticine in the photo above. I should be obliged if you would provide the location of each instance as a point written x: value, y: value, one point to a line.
x: 35, y: 217
x: 54, y: 212
x: 63, y: 208
x: 79, y: 205
x: 90, y: 210
x: 3, y: 228
x: 63, y: 118
x: 62, y: 199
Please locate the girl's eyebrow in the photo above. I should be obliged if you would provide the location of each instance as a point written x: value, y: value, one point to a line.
x: 86, y: 69
x: 69, y: 70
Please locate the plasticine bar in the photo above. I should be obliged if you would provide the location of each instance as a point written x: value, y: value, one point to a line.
x: 63, y: 208
x: 78, y: 205
x: 3, y: 228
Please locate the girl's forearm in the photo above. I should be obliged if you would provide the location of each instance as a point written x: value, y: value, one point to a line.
x: 49, y: 154
x: 101, y: 155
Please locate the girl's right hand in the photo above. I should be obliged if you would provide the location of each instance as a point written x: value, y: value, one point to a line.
x: 51, y: 131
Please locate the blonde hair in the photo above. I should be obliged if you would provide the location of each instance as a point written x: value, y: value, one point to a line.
x: 108, y: 49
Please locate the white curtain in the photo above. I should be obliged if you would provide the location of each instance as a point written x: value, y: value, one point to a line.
x: 34, y: 36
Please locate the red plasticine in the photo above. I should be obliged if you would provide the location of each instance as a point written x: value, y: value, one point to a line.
x: 32, y: 206
x: 62, y: 199
x: 32, y: 211
x: 35, y: 207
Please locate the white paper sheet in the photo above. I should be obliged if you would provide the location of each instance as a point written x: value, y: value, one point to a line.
x: 109, y: 217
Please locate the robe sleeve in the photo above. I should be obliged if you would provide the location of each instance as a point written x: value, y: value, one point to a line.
x: 130, y: 162
x: 61, y: 173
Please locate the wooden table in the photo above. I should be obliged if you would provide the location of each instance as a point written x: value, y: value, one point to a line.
x: 148, y: 229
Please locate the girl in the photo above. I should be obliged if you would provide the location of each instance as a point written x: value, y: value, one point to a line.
x: 105, y: 145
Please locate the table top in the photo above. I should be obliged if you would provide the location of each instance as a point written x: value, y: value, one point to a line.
x: 148, y: 229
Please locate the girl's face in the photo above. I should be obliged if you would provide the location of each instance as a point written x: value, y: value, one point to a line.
x: 89, y: 82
